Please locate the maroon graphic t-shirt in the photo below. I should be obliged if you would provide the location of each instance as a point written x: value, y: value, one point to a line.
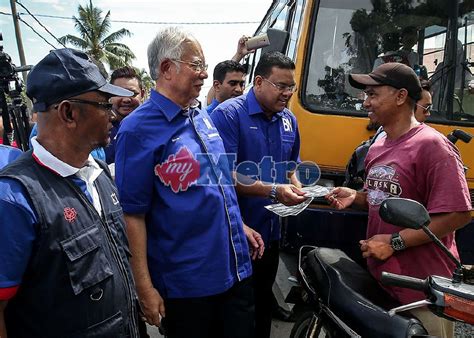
x: 424, y: 166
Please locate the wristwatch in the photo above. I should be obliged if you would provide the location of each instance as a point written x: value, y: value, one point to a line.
x: 397, y: 242
x: 273, y: 194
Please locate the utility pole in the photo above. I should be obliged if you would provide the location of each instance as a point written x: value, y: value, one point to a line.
x: 19, y: 42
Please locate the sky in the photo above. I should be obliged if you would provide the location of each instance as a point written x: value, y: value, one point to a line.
x: 219, y: 41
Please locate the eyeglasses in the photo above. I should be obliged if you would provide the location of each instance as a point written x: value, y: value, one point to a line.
x: 196, y: 66
x: 103, y: 105
x: 426, y: 108
x: 281, y: 87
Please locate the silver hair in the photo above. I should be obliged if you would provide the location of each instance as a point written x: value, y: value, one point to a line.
x: 168, y: 44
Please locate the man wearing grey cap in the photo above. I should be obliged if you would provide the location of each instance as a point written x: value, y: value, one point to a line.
x: 411, y: 161
x: 64, y: 269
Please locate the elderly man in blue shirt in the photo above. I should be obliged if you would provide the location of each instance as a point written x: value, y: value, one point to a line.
x: 190, y: 255
x: 258, y: 128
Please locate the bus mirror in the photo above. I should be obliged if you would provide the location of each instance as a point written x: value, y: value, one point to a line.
x: 278, y: 41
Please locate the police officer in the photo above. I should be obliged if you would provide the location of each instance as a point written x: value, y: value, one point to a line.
x: 64, y: 269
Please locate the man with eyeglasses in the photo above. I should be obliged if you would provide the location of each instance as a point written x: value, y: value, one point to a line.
x: 424, y: 104
x: 256, y: 127
x: 190, y: 255
x: 127, y: 78
x: 64, y: 261
x: 412, y: 160
x: 228, y: 82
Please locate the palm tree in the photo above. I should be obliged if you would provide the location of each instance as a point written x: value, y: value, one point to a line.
x: 147, y: 81
x: 93, y: 30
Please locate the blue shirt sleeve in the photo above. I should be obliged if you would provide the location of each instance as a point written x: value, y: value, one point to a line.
x: 8, y: 154
x: 227, y: 123
x: 17, y: 232
x: 134, y: 172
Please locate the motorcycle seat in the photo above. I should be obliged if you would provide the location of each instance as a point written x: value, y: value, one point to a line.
x: 356, y: 297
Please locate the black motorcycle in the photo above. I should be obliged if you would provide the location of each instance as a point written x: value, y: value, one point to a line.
x: 338, y: 298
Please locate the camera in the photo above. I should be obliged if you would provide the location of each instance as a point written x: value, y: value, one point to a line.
x: 14, y: 111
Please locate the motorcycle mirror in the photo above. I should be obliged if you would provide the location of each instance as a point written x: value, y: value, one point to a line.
x: 404, y: 212
x: 411, y: 214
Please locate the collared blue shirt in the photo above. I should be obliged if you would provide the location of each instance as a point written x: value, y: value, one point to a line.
x: 8, y: 154
x: 273, y: 144
x: 212, y: 106
x: 195, y: 240
x: 18, y: 220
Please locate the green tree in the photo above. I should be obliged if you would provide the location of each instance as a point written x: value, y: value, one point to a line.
x: 147, y: 81
x: 95, y: 39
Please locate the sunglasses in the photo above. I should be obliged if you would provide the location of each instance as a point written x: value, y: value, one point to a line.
x: 103, y: 105
x: 426, y: 108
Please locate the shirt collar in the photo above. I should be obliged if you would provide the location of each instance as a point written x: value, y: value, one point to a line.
x: 254, y: 105
x: 48, y: 160
x: 168, y: 107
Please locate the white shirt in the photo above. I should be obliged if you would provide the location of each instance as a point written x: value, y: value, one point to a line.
x: 88, y: 173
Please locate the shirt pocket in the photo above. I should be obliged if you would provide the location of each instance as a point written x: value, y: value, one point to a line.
x: 288, y: 141
x: 86, y: 260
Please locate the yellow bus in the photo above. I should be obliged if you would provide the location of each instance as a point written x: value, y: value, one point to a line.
x: 329, y: 39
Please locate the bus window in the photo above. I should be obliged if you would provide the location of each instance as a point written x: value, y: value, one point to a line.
x: 355, y: 36
x: 294, y: 28
x: 280, y: 21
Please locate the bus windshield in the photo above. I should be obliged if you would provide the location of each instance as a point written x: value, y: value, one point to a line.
x: 355, y: 36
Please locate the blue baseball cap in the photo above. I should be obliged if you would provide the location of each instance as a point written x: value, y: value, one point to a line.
x: 65, y: 73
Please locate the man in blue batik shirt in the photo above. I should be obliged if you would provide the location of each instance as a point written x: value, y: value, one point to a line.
x: 259, y: 129
x: 190, y: 255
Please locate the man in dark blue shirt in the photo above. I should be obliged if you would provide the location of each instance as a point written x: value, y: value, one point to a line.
x: 260, y: 130
x: 189, y: 251
x: 228, y: 82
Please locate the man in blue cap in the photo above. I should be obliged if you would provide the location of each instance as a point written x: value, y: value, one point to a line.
x: 64, y: 269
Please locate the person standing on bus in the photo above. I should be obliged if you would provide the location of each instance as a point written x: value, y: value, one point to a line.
x: 411, y: 161
x: 228, y: 82
x: 255, y: 127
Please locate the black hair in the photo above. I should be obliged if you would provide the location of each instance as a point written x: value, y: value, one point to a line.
x: 125, y: 72
x: 426, y: 85
x: 228, y: 66
x: 273, y: 59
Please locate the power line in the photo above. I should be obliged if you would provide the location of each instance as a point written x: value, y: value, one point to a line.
x: 46, y: 29
x: 19, y: 18
x: 154, y: 22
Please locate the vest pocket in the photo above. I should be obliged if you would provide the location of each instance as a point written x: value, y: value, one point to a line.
x: 112, y: 327
x: 86, y: 260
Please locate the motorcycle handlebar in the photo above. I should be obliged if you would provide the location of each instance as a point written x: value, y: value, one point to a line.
x: 404, y: 281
